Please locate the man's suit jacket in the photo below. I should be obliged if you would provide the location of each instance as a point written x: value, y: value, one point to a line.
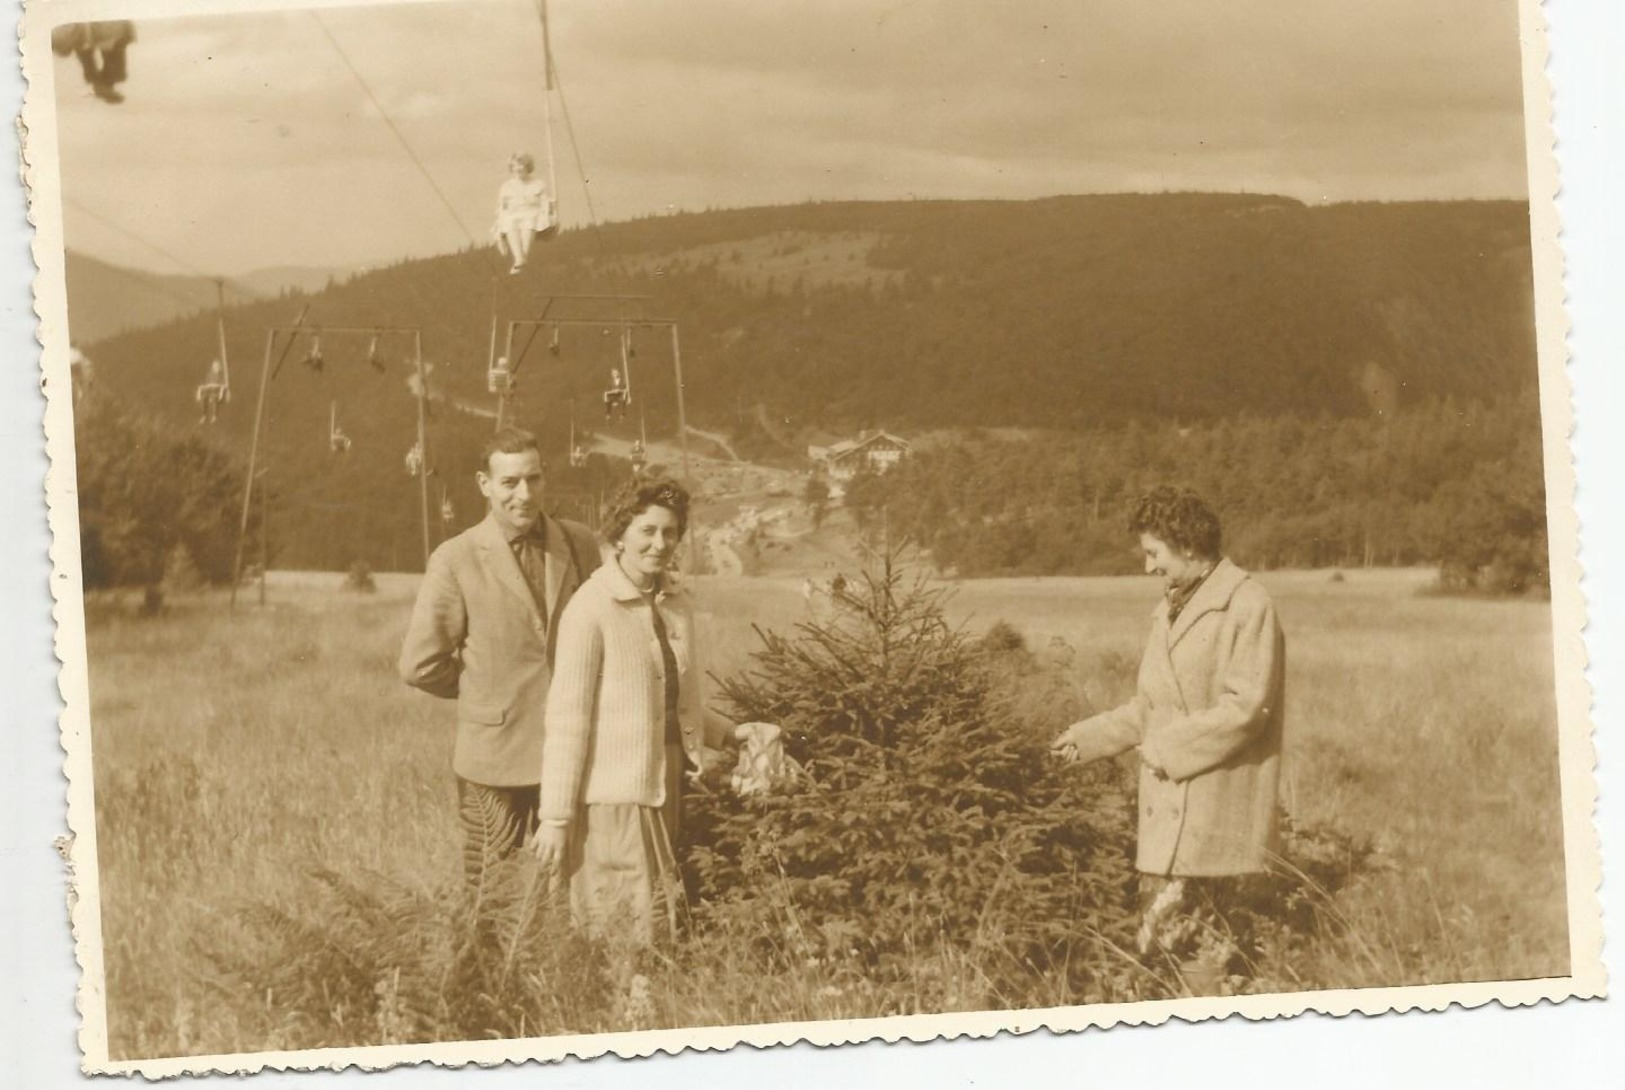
x: 476, y: 635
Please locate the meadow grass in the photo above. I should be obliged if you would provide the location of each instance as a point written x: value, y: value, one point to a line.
x: 236, y: 753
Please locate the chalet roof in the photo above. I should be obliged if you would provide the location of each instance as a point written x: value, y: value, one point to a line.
x: 841, y: 449
x: 867, y: 438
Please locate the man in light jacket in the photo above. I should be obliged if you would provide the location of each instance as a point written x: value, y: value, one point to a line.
x: 1207, y: 719
x: 482, y: 633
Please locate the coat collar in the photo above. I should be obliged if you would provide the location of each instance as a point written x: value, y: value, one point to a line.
x: 1214, y: 594
x: 622, y: 589
x: 494, y: 541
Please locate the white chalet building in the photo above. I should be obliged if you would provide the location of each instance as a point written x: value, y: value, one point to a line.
x: 877, y: 451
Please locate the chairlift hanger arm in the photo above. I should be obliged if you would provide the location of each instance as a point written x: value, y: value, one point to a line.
x: 299, y: 323
x: 626, y: 323
x: 599, y: 297
x: 365, y: 330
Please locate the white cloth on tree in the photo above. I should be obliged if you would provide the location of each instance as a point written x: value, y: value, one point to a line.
x: 762, y: 760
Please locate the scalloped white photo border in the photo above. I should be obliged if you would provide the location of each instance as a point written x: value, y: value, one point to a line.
x: 1579, y: 789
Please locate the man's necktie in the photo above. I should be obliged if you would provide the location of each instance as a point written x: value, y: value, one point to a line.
x: 533, y: 562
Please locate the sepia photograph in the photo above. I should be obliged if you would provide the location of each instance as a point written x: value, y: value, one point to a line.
x: 590, y: 528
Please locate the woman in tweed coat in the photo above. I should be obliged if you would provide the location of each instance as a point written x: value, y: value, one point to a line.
x: 1206, y: 717
x: 625, y: 715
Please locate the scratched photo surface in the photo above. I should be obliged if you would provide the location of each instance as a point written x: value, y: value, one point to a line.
x: 590, y: 527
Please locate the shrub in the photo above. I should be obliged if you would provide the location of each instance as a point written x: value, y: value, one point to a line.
x: 364, y: 959
x: 146, y: 491
x: 359, y: 578
x: 1003, y: 637
x: 927, y: 819
x: 181, y: 574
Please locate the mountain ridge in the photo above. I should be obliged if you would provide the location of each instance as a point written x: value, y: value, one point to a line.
x: 1067, y: 313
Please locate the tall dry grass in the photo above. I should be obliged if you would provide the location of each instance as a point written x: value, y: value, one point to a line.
x: 241, y: 757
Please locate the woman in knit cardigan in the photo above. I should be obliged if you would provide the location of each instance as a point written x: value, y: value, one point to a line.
x: 624, y: 715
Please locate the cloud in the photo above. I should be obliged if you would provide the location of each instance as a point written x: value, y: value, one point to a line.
x: 712, y: 102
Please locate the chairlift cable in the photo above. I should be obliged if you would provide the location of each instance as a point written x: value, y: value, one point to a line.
x: 157, y: 249
x: 395, y: 129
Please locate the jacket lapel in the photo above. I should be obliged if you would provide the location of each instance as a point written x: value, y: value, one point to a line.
x: 559, y: 567
x: 1159, y: 663
x: 501, y: 563
x: 1214, y: 594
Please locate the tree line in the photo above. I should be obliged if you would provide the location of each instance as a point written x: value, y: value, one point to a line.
x: 1449, y: 483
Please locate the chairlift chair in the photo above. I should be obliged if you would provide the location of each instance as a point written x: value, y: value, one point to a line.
x: 578, y: 453
x: 313, y: 355
x: 618, y: 396
x: 499, y: 378
x: 373, y: 357
x: 640, y: 448
x: 214, y: 391
x: 414, y: 460
x: 337, y: 441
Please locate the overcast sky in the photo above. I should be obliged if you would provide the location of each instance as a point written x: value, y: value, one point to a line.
x: 246, y: 142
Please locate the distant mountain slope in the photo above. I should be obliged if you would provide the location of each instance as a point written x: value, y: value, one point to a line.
x: 1069, y: 313
x: 109, y: 299
x: 290, y: 278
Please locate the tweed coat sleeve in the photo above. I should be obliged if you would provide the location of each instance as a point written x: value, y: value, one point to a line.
x: 431, y: 655
x: 1116, y: 731
x: 1248, y: 686
x: 1109, y: 733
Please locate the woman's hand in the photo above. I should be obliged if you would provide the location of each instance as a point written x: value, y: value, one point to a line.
x: 549, y: 845
x: 1066, y: 746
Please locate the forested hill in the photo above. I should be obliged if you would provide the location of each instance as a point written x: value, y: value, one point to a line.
x: 1051, y: 313
x: 1065, y: 313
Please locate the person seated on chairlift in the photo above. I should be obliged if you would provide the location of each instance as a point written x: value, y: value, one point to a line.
x: 524, y: 210
x: 578, y: 456
x: 414, y: 460
x: 338, y: 441
x: 617, y: 397
x: 100, y: 49
x: 213, y: 393
x: 313, y: 356
x: 499, y: 379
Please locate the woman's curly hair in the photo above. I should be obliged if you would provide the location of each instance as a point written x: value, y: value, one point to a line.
x: 634, y: 499
x: 1179, y: 517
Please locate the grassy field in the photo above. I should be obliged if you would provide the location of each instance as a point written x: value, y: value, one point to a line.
x: 234, y: 753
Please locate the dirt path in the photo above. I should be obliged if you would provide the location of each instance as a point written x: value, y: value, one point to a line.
x: 724, y: 560
x: 719, y: 439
